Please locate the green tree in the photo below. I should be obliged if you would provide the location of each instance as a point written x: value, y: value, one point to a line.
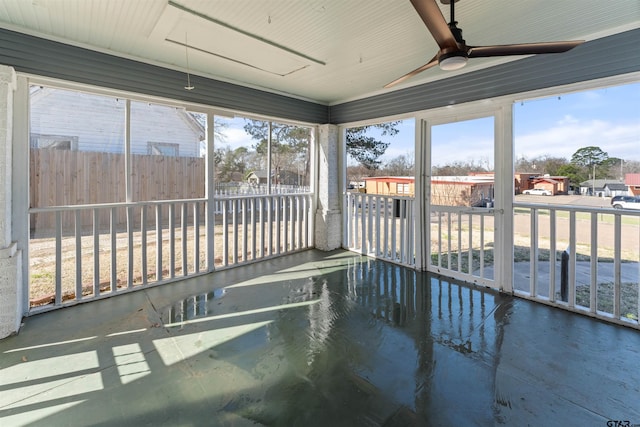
x: 231, y: 165
x: 573, y: 172
x: 588, y: 156
x: 593, y: 161
x: 367, y: 149
x: 289, y: 149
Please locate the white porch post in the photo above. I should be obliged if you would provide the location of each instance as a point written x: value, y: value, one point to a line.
x: 422, y: 191
x: 328, y: 227
x: 210, y: 192
x: 10, y: 256
x: 504, y: 190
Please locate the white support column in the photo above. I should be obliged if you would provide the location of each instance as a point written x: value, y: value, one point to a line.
x: 504, y: 190
x: 328, y: 223
x: 422, y: 190
x: 210, y: 193
x: 10, y: 256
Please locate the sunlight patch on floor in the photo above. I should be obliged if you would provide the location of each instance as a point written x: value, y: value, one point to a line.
x: 177, y: 349
x: 131, y: 362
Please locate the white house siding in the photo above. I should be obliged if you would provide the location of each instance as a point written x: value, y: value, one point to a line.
x: 165, y: 125
x: 97, y: 122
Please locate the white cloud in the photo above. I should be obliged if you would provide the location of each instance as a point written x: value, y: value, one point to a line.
x: 567, y: 120
x: 236, y: 137
x: 570, y: 134
x: 466, y: 149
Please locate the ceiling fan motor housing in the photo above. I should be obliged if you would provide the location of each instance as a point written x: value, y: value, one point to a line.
x: 452, y: 60
x: 457, y: 33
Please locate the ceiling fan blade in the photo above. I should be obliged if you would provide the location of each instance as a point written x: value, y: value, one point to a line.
x: 435, y: 22
x: 433, y: 62
x: 521, y: 49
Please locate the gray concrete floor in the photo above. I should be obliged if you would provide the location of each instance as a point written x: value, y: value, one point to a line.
x: 318, y: 339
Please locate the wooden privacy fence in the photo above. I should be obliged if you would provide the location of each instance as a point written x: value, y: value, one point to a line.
x: 64, y: 178
x: 71, y: 178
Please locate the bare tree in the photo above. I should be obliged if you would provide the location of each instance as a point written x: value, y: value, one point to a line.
x: 403, y: 165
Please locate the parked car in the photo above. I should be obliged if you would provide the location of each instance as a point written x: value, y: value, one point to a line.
x: 538, y: 192
x: 615, y: 199
x: 626, y: 202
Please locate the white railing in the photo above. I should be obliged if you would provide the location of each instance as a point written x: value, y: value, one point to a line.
x: 98, y: 256
x: 380, y: 226
x: 159, y: 242
x: 462, y: 243
x: 222, y: 191
x: 257, y: 227
x: 582, y: 259
x: 384, y: 227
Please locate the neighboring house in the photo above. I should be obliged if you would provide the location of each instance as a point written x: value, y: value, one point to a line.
x: 632, y: 180
x: 258, y: 177
x: 68, y: 120
x: 470, y: 190
x: 462, y: 190
x: 601, y: 187
x: 523, y: 181
x: 528, y: 181
x: 616, y: 189
x: 445, y: 190
x: 281, y: 177
x: 390, y: 185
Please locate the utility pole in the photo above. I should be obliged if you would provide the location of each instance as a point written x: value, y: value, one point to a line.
x: 593, y: 182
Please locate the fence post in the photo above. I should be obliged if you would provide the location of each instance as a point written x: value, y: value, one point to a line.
x: 564, y: 276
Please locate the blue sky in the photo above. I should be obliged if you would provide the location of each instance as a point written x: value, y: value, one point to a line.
x: 557, y: 126
x: 607, y: 118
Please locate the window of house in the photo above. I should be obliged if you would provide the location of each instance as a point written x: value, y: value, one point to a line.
x: 54, y: 142
x: 163, y: 149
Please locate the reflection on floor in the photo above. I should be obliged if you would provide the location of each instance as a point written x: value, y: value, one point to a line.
x: 318, y: 339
